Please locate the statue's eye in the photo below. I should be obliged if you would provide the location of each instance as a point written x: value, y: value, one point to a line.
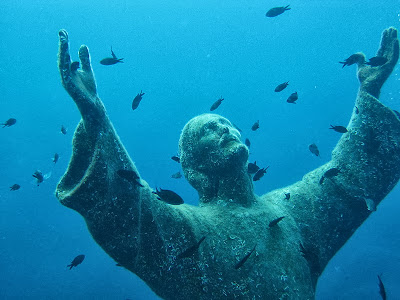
x: 212, y: 125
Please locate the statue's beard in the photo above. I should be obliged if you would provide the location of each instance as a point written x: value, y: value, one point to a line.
x: 231, y: 158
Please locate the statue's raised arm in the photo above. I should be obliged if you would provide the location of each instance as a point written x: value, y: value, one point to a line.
x: 102, y: 183
x: 234, y: 245
x: 331, y: 202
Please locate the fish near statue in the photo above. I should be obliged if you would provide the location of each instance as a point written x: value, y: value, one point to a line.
x: 146, y: 236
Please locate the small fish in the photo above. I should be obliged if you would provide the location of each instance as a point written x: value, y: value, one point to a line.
x: 332, y: 172
x: 382, y: 291
x: 74, y: 66
x: 287, y: 196
x: 281, y: 86
x: 356, y: 110
x: 136, y: 100
x: 191, y: 250
x: 276, y: 11
x: 238, y: 129
x: 351, y: 60
x: 63, y: 129
x: 307, y: 253
x: 293, y: 98
x: 15, y: 187
x: 314, y: 149
x: 130, y: 176
x: 252, y: 168
x: 176, y: 158
x: 247, y: 143
x: 111, y: 60
x: 338, y: 128
x: 9, y: 122
x: 256, y: 125
x: 275, y: 222
x: 216, y: 104
x: 177, y: 175
x: 260, y: 173
x: 39, y: 177
x: 244, y: 259
x: 168, y: 196
x: 377, y: 61
x: 55, y: 158
x: 76, y: 261
x: 312, y: 259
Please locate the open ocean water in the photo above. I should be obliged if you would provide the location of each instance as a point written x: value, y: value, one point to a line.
x: 184, y: 55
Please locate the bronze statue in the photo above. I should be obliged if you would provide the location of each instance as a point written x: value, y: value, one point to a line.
x: 225, y: 248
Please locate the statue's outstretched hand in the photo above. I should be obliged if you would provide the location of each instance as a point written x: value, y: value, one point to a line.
x: 79, y: 83
x: 373, y: 77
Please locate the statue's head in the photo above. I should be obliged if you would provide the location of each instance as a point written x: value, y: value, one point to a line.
x: 211, y: 150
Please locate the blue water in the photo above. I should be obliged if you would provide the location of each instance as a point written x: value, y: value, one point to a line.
x: 184, y: 55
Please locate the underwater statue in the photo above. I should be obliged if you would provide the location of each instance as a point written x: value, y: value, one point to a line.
x: 235, y: 244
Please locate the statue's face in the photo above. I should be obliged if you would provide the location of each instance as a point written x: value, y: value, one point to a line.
x: 212, y: 144
x: 218, y: 136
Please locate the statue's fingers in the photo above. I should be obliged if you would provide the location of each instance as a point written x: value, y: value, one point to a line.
x: 84, y: 56
x: 389, y: 43
x: 64, y: 59
x: 395, y: 46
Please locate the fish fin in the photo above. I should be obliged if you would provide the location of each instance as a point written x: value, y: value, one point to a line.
x: 113, y: 54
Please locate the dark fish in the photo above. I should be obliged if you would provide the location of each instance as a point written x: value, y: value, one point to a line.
x: 111, y: 60
x: 292, y: 98
x: 136, y: 100
x: 287, y: 196
x: 238, y: 129
x: 39, y: 177
x: 14, y: 187
x: 244, y: 259
x: 357, y: 110
x: 77, y: 261
x: 168, y: 196
x: 130, y: 176
x: 176, y: 175
x: 55, y: 158
x: 247, y: 143
x: 9, y: 122
x: 63, y: 129
x: 314, y: 149
x: 260, y: 173
x: 381, y: 288
x: 176, y: 158
x: 275, y: 222
x: 312, y: 259
x: 256, y: 125
x: 340, y: 129
x: 281, y: 86
x: 351, y: 60
x: 216, y: 104
x: 377, y: 61
x: 74, y: 66
x: 191, y: 250
x: 252, y: 168
x: 276, y: 11
x: 329, y: 174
